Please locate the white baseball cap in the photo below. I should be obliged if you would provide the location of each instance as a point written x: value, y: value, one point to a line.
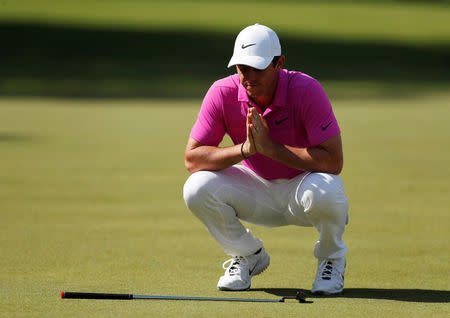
x: 255, y: 46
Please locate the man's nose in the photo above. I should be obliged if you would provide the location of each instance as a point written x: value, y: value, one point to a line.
x: 250, y: 75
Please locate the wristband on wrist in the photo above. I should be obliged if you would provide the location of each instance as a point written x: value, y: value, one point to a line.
x: 242, y: 151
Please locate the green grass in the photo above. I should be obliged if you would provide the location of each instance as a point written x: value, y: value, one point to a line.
x: 91, y: 200
x: 167, y: 49
x: 91, y: 189
x: 409, y: 23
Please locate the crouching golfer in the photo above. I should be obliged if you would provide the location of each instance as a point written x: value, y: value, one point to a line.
x: 287, y: 137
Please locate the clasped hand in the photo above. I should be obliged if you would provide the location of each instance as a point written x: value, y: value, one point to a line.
x: 258, y: 138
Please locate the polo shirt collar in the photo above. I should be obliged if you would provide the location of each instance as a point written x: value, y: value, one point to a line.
x: 242, y: 93
x: 280, y: 92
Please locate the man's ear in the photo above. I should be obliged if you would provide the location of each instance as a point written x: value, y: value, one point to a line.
x: 280, y: 62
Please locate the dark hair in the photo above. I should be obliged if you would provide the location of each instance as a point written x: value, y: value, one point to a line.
x: 275, y: 60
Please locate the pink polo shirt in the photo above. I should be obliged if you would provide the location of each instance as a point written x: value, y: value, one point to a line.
x: 300, y: 116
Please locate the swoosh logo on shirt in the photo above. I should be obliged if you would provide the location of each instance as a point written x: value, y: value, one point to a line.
x: 277, y: 122
x: 246, y: 46
x: 325, y: 127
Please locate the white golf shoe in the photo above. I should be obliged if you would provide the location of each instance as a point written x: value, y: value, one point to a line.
x: 239, y: 270
x: 330, y: 276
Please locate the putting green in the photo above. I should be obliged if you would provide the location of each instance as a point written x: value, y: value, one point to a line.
x: 90, y: 200
x: 91, y: 189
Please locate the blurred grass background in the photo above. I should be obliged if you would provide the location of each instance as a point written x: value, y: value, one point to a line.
x: 96, y: 102
x: 177, y: 48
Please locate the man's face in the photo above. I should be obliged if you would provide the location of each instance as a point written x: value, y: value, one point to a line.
x: 258, y: 82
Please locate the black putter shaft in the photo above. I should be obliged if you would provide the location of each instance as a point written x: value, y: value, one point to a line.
x: 78, y: 295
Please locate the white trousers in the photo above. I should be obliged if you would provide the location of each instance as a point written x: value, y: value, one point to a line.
x: 220, y: 199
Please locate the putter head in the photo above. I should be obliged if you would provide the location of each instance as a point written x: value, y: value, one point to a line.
x: 299, y: 296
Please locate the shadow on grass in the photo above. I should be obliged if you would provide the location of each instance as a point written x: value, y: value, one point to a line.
x: 10, y: 137
x: 64, y: 61
x: 411, y: 295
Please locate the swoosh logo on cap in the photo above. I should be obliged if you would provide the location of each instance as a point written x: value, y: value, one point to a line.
x: 246, y: 46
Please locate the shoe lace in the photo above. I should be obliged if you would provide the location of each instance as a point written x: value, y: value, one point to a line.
x: 233, y: 265
x: 327, y: 270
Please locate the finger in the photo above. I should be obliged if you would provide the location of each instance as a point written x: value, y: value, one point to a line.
x: 249, y: 124
x: 249, y: 130
x: 260, y: 122
x: 264, y: 123
x: 249, y: 117
x: 256, y: 117
x: 254, y: 113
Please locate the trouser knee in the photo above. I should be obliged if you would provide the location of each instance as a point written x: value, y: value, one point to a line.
x: 323, y: 198
x: 196, y: 189
x: 205, y: 195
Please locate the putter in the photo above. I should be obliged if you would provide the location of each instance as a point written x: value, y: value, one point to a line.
x: 77, y: 295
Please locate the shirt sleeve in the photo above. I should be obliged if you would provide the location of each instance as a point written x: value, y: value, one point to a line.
x: 318, y: 117
x: 209, y: 128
